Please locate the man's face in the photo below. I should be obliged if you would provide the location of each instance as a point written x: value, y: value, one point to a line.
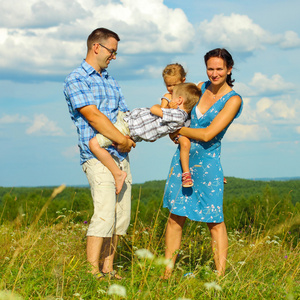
x: 105, y: 54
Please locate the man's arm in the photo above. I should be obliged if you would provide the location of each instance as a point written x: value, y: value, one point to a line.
x: 104, y: 126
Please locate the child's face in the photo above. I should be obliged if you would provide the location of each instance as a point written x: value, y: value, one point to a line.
x: 175, y: 101
x: 171, y: 81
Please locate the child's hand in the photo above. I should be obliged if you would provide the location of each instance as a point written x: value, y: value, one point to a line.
x: 173, y: 104
x: 174, y: 136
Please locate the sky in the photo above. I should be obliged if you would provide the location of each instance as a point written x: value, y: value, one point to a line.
x: 41, y: 42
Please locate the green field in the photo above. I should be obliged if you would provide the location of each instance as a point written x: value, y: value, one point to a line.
x: 42, y: 246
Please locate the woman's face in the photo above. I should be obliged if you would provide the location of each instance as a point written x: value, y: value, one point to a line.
x: 217, y: 70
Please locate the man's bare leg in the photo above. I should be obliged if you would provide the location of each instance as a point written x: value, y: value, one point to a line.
x: 108, y: 254
x: 93, y: 248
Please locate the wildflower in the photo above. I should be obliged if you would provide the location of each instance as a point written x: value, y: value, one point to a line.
x: 7, y: 258
x: 286, y: 256
x: 242, y: 262
x: 116, y: 289
x: 100, y: 291
x: 76, y: 295
x: 85, y: 222
x: 144, y: 253
x: 213, y: 285
x: 163, y: 261
x: 9, y: 295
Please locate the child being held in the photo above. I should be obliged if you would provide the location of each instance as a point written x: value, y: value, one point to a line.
x: 174, y: 74
x: 144, y: 124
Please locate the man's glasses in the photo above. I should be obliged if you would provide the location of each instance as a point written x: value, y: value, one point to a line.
x: 111, y: 51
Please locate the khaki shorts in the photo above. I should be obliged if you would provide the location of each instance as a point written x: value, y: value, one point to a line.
x: 111, y: 211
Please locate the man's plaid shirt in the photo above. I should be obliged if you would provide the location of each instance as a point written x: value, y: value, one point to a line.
x: 84, y: 86
x: 143, y: 125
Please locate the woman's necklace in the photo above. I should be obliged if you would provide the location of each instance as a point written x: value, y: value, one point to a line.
x: 219, y: 93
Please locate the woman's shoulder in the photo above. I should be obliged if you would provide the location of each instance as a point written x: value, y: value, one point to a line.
x: 203, y: 84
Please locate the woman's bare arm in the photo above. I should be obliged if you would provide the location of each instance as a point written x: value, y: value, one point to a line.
x: 221, y: 121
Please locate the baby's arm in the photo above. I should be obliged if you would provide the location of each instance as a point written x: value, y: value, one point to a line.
x: 164, y: 101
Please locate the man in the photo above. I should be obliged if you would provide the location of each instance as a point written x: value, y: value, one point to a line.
x: 94, y: 99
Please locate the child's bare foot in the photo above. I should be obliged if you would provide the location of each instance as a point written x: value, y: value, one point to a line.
x: 119, y: 181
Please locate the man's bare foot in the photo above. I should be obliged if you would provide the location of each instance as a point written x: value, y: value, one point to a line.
x: 119, y: 181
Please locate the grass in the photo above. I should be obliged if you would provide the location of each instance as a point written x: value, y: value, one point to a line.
x: 46, y: 260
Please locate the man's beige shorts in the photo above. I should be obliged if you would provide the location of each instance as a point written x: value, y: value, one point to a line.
x: 111, y: 211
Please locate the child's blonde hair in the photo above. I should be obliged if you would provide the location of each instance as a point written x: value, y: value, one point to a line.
x: 174, y: 70
x: 190, y: 92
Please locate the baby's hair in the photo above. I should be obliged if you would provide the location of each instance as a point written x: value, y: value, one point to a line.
x: 190, y: 92
x: 174, y: 70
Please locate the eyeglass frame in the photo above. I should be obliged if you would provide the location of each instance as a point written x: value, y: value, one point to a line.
x: 111, y: 51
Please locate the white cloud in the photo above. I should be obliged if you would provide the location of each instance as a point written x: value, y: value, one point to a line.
x: 240, y: 33
x: 41, y: 125
x: 71, y: 152
x: 45, y: 38
x: 290, y: 40
x: 39, y: 14
x: 265, y: 85
x: 263, y: 104
x: 237, y: 31
x: 241, y: 132
x: 13, y: 119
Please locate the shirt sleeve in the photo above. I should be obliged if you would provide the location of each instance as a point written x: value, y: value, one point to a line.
x: 174, y: 115
x: 79, y: 92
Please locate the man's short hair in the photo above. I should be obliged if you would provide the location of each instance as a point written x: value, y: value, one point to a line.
x: 100, y: 35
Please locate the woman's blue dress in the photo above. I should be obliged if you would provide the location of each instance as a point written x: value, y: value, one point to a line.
x: 204, y: 201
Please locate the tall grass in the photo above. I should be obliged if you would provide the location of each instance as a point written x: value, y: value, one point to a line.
x: 45, y: 259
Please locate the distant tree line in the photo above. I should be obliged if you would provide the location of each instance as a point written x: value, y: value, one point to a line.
x: 247, y: 203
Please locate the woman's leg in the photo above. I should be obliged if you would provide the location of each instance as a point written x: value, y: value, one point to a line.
x: 219, y: 245
x: 173, y: 239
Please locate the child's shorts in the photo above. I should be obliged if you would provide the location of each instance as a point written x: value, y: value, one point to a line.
x: 120, y: 124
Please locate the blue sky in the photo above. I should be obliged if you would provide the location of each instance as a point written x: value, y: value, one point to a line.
x: 42, y: 41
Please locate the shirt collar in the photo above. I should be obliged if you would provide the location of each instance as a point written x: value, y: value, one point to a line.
x: 90, y: 70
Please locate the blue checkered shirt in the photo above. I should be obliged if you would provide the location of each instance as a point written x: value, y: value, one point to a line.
x: 84, y: 86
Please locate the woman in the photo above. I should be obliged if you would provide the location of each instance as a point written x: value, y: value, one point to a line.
x: 218, y: 106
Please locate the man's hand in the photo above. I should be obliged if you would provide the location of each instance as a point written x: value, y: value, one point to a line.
x: 126, y: 145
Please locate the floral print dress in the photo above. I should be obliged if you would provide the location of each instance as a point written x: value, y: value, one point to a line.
x: 204, y: 201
